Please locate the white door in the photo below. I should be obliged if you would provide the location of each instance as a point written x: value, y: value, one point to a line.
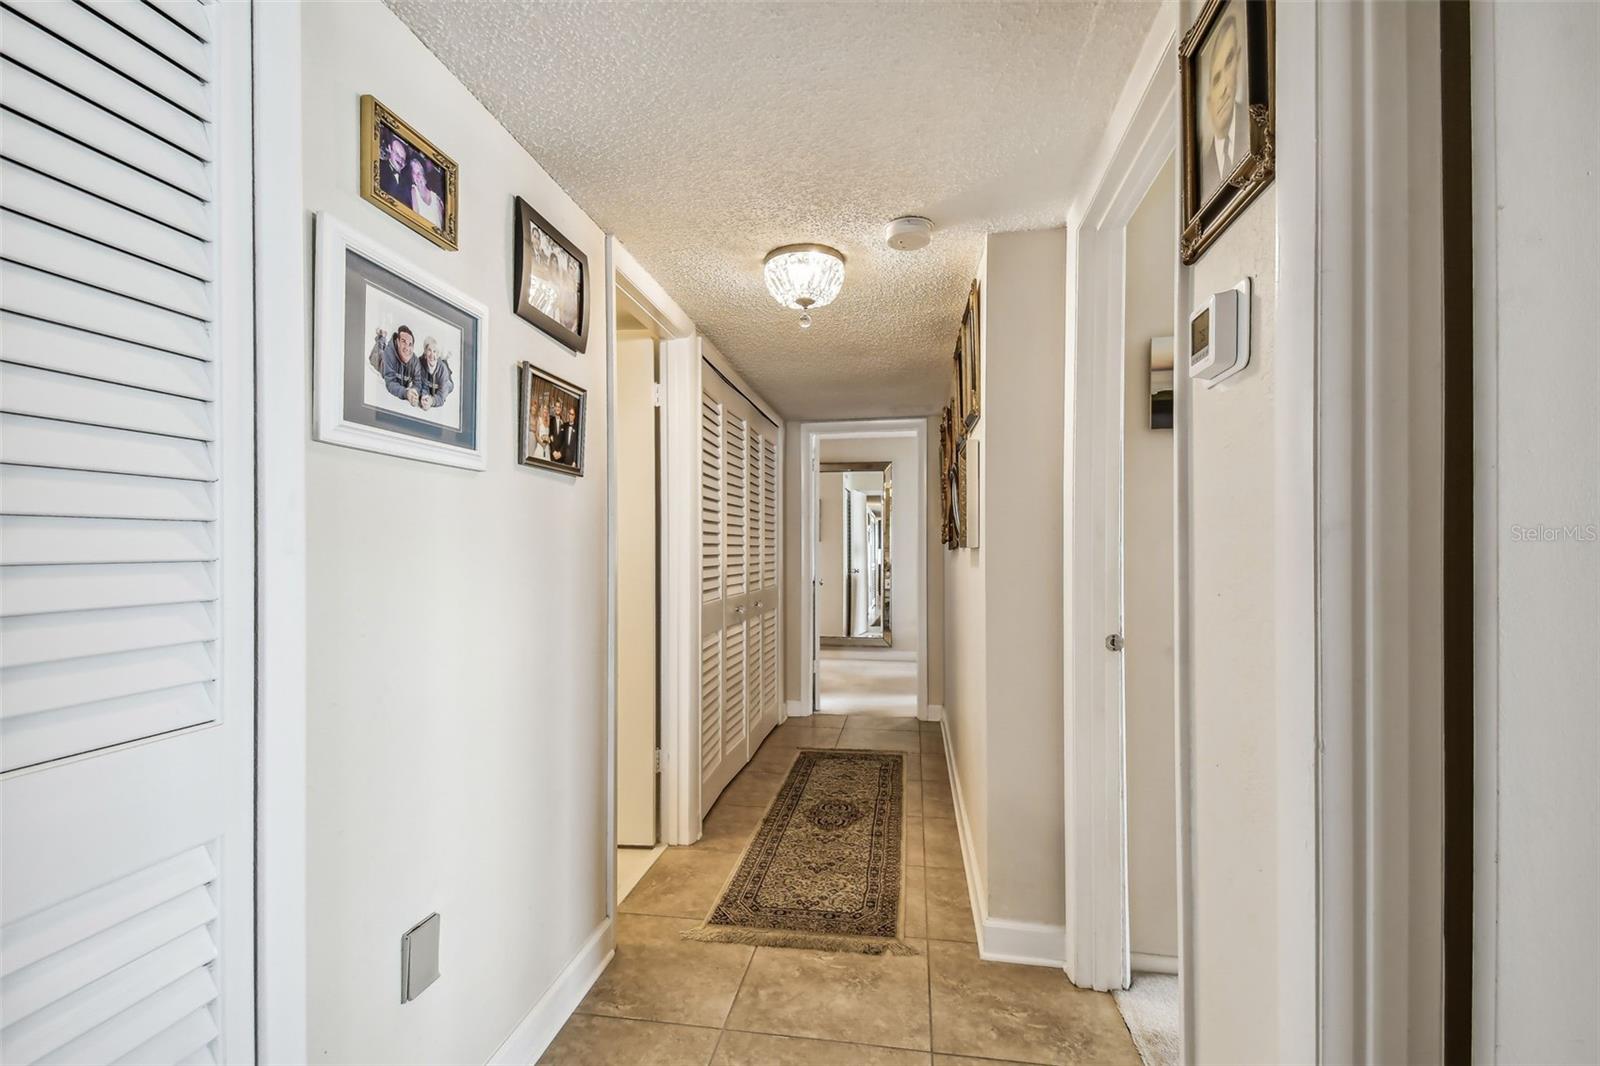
x: 764, y: 569
x: 126, y: 534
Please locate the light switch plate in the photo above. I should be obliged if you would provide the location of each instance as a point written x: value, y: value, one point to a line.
x: 419, y: 958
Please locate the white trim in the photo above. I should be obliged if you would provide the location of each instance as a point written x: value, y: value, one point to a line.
x: 935, y: 713
x: 1144, y: 962
x: 333, y: 239
x: 810, y: 434
x: 999, y: 939
x: 795, y: 709
x: 709, y: 352
x: 1095, y: 939
x: 282, y: 428
x: 680, y: 590
x: 539, y: 1026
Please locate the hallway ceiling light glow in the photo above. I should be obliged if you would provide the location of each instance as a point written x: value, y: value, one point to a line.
x: 804, y: 276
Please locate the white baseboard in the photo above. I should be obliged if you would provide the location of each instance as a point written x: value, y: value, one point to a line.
x: 1028, y: 943
x: 541, y: 1024
x: 870, y: 654
x: 936, y: 714
x: 999, y: 939
x: 795, y: 709
x: 1144, y: 962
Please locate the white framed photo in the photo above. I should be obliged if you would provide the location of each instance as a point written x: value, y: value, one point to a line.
x: 399, y: 355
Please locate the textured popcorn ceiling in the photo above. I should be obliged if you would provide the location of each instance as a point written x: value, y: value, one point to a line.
x: 704, y: 135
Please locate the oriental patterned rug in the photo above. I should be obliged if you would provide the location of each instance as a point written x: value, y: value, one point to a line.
x: 826, y: 867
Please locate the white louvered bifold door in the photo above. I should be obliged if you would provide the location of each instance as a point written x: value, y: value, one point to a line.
x: 715, y: 771
x: 765, y: 683
x: 126, y: 532
x: 736, y: 567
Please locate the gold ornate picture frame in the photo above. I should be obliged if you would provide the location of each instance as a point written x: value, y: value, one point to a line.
x: 971, y: 348
x: 404, y: 175
x: 1226, y: 70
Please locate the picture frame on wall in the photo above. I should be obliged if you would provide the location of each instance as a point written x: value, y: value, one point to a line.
x: 406, y: 176
x: 399, y: 354
x: 552, y: 278
x: 552, y: 418
x: 1227, y: 77
x: 971, y: 362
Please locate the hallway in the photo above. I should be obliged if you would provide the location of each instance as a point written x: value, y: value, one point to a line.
x: 668, y: 1000
x: 852, y: 684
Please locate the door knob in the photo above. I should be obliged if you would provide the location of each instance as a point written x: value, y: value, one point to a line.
x: 1114, y: 642
x: 739, y: 609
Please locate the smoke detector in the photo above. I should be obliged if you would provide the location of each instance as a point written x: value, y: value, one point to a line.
x: 908, y: 234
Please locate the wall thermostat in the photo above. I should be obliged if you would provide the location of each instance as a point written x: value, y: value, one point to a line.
x: 1219, y: 335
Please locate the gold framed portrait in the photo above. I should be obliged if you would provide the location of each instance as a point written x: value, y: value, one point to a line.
x: 971, y: 362
x: 1225, y: 68
x: 403, y: 174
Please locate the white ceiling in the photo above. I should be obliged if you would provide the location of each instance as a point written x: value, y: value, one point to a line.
x: 705, y: 134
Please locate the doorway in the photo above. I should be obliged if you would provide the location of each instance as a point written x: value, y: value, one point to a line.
x: 865, y: 562
x: 637, y: 451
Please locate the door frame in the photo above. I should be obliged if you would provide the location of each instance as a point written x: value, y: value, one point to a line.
x: 1096, y: 949
x: 282, y: 428
x: 674, y: 328
x: 811, y: 434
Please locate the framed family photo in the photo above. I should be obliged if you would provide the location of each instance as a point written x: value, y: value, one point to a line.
x: 399, y: 355
x: 405, y: 175
x: 1225, y: 68
x: 971, y: 362
x: 553, y: 416
x: 552, y: 279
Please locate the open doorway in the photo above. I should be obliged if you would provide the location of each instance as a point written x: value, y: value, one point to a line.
x: 867, y: 569
x: 637, y: 445
x: 1148, y: 619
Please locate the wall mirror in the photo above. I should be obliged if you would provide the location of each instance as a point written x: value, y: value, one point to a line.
x: 854, y: 563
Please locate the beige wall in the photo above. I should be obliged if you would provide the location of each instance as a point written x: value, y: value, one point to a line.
x: 1147, y: 581
x: 1233, y: 814
x: 456, y: 652
x: 1003, y: 600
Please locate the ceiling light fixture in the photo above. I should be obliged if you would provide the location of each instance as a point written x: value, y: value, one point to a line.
x: 804, y: 276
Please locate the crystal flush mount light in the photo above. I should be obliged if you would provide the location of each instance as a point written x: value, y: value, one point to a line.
x: 804, y: 276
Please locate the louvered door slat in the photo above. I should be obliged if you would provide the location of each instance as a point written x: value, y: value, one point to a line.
x: 769, y: 512
x: 44, y: 638
x: 40, y: 294
x: 65, y: 397
x: 59, y: 202
x: 710, y: 500
x: 190, y: 14
x: 734, y: 667
x: 710, y: 702
x: 58, y: 251
x: 734, y: 514
x: 33, y: 739
x: 36, y: 441
x: 186, y: 1041
x: 37, y: 490
x: 94, y: 183
x: 94, y: 35
x: 140, y: 1022
x: 31, y: 342
x: 93, y: 80
x: 45, y: 102
x: 26, y: 690
x: 27, y: 540
x: 145, y: 25
x: 26, y: 590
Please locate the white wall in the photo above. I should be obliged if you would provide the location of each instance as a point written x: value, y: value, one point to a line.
x: 1148, y: 583
x: 456, y: 623
x: 1537, y: 272
x: 1003, y: 619
x: 635, y: 436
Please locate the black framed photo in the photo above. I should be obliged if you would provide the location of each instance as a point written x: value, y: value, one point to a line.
x: 1225, y: 68
x: 399, y: 354
x: 405, y: 175
x: 554, y: 416
x: 552, y: 278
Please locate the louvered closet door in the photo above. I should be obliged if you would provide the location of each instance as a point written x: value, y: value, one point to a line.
x: 764, y: 566
x: 715, y: 770
x: 126, y: 518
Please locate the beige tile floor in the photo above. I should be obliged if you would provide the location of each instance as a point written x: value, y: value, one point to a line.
x: 665, y: 1000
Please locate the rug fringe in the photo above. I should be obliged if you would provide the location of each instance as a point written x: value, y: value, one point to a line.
x: 776, y: 938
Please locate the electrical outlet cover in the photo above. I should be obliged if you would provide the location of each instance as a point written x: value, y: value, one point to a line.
x: 419, y: 958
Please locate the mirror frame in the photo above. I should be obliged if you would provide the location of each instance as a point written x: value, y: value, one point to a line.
x: 870, y: 467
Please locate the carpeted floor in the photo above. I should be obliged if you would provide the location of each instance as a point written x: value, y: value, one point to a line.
x: 1150, y: 1008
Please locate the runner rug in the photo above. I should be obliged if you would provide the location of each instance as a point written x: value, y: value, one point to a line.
x: 826, y: 868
